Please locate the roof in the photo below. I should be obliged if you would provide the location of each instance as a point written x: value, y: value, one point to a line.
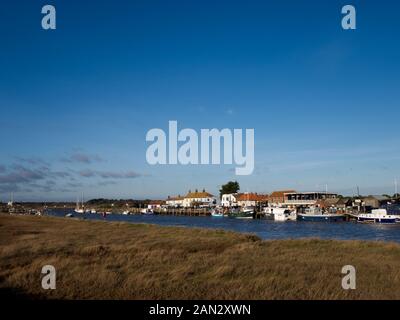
x: 157, y: 202
x: 280, y: 193
x: 236, y: 195
x: 175, y: 198
x: 203, y: 194
x: 377, y: 197
x: 328, y: 202
x: 252, y: 197
x: 344, y: 200
x: 311, y: 192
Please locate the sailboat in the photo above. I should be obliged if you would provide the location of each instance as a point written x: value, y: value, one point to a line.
x: 11, y: 202
x: 78, y: 208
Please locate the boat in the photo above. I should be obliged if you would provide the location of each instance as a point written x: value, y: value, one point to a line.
x: 283, y: 214
x: 126, y: 212
x: 93, y: 211
x: 377, y: 216
x: 315, y: 214
x: 78, y: 208
x: 69, y: 215
x: 217, y: 213
x: 147, y: 211
x: 244, y: 213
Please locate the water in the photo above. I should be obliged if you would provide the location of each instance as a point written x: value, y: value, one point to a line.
x: 265, y: 229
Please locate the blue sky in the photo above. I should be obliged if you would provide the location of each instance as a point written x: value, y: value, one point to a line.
x: 76, y: 103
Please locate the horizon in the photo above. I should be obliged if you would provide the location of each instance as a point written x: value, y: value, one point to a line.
x: 77, y: 102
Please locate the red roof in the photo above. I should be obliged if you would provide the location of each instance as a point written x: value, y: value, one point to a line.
x: 252, y: 197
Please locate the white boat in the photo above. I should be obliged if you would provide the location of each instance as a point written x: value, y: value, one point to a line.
x: 126, y: 212
x: 78, y: 208
x: 93, y: 211
x: 147, y: 211
x: 377, y: 216
x: 283, y: 214
x: 217, y: 213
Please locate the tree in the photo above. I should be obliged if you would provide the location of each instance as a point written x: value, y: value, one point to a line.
x: 230, y: 187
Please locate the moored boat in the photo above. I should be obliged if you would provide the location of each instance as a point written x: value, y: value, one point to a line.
x: 377, y: 216
x: 78, y: 208
x: 217, y: 213
x: 316, y: 215
x: 283, y: 214
x: 147, y: 211
x: 244, y: 213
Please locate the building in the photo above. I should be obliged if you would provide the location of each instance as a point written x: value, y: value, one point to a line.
x: 156, y: 204
x: 344, y: 204
x: 199, y: 199
x: 230, y: 199
x: 252, y: 199
x: 278, y: 197
x: 375, y: 201
x: 307, y: 198
x: 175, y: 202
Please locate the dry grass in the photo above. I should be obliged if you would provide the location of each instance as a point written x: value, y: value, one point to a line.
x: 104, y: 260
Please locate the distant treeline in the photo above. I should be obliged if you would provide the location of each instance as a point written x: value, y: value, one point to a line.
x: 117, y: 203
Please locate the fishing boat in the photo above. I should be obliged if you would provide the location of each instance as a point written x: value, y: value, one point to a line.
x: 244, y: 213
x: 315, y: 214
x: 377, y: 216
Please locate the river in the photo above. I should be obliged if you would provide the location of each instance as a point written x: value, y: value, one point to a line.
x: 265, y: 229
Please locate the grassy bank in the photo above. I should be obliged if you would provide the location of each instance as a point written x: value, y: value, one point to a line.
x: 97, y: 259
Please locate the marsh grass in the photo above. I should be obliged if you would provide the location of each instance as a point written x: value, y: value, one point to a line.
x: 108, y: 260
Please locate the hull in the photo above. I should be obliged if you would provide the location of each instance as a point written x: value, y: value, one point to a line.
x: 79, y: 211
x: 376, y: 220
x: 241, y: 215
x: 321, y: 217
x: 285, y: 217
x: 377, y: 216
x: 217, y: 215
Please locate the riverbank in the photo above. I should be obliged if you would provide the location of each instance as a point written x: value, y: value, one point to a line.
x: 112, y: 260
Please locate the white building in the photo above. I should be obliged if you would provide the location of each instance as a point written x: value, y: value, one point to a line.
x: 175, y: 202
x: 230, y: 200
x: 202, y: 199
x: 155, y: 204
